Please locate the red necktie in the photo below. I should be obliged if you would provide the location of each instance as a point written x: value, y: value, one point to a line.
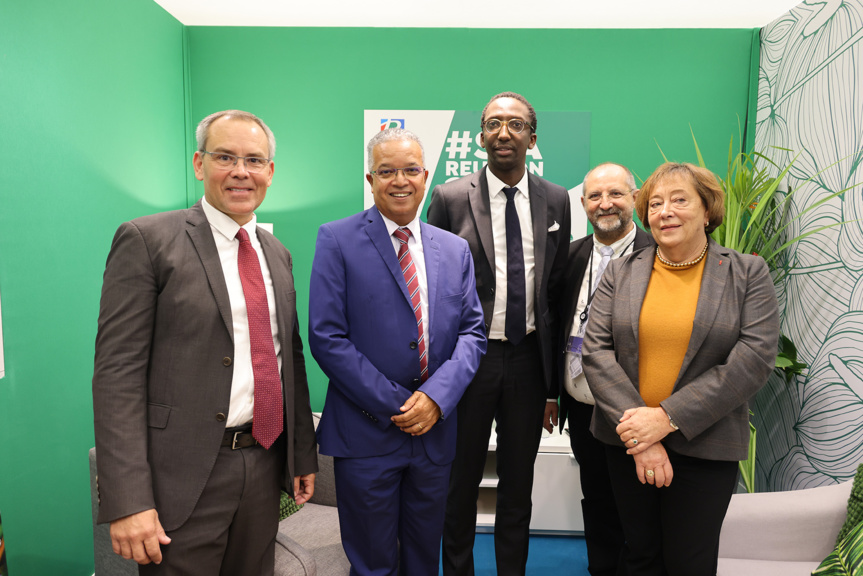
x: 267, y: 420
x: 413, y: 283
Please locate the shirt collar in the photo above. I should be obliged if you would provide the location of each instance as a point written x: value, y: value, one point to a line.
x: 618, y: 246
x: 413, y: 226
x: 226, y: 225
x: 496, y: 185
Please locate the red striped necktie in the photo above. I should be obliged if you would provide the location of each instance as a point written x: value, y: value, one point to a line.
x: 409, y: 270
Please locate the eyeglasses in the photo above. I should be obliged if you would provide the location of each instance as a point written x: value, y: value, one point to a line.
x: 517, y: 125
x: 390, y: 173
x: 613, y: 195
x: 228, y: 161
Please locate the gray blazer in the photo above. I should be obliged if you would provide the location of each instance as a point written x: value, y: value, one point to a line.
x: 463, y: 208
x: 163, y: 369
x: 731, y: 352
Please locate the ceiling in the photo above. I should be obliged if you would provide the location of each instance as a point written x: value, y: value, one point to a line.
x: 482, y: 13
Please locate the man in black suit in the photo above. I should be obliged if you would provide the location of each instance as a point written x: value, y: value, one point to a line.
x: 518, y: 229
x: 608, y: 198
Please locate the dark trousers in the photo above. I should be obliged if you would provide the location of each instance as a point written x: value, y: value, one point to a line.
x: 603, y: 533
x: 391, y: 511
x: 509, y: 389
x: 232, y: 530
x: 674, y: 530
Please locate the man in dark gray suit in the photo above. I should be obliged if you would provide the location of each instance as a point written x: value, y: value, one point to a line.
x: 608, y: 198
x: 518, y: 229
x: 199, y: 390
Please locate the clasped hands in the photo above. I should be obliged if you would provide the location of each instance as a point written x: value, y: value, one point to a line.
x: 641, y: 430
x: 419, y: 414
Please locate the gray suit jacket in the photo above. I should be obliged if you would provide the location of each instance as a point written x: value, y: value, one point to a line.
x: 576, y: 265
x: 463, y: 208
x: 731, y: 352
x: 163, y: 368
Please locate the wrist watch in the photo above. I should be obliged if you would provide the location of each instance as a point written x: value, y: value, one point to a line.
x: 673, y: 425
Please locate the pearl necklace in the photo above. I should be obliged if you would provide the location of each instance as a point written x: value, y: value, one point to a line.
x: 682, y: 264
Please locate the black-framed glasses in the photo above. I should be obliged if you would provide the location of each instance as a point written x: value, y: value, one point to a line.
x: 390, y: 173
x: 227, y: 161
x: 516, y: 125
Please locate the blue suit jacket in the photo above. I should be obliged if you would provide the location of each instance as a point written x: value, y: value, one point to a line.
x: 362, y: 327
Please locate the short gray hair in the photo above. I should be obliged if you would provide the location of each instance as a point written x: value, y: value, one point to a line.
x: 389, y: 135
x: 203, y: 130
x: 630, y: 179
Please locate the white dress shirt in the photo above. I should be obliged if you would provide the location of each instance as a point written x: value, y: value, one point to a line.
x: 225, y: 230
x: 415, y: 245
x: 577, y: 387
x: 497, y: 202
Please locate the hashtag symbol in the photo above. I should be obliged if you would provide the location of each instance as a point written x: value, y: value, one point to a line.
x: 458, y: 144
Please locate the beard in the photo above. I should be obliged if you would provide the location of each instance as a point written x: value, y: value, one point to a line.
x: 607, y: 227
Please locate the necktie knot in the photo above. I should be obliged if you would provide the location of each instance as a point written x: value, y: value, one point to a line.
x: 242, y: 235
x: 402, y: 235
x: 510, y: 193
x: 606, y: 251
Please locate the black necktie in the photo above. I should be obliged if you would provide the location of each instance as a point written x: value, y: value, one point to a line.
x: 516, y: 313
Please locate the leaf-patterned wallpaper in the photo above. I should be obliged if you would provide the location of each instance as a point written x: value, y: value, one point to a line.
x: 810, y: 101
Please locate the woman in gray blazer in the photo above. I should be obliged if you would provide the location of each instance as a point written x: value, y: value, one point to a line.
x: 680, y: 337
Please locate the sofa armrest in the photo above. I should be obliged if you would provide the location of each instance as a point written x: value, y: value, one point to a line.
x: 292, y: 559
x: 798, y: 525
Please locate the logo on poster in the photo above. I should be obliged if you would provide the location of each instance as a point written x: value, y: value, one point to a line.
x: 392, y: 123
x: 462, y: 147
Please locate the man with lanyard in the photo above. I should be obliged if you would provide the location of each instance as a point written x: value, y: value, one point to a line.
x: 608, y: 198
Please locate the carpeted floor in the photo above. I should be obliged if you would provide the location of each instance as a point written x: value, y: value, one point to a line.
x: 558, y: 555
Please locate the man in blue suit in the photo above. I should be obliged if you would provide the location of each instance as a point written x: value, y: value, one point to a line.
x: 396, y: 324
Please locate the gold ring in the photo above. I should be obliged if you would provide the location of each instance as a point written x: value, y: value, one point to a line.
x: 420, y: 425
x: 649, y: 473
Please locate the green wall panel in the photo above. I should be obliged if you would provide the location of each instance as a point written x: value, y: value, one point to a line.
x: 91, y: 134
x: 311, y: 86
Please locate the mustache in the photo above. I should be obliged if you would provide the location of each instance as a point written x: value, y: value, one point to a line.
x: 609, y: 212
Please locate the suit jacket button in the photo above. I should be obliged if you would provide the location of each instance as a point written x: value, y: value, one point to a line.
x: 416, y: 382
x: 221, y: 417
x: 226, y: 361
x: 413, y: 345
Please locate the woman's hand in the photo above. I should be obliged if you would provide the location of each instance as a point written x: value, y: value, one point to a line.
x: 642, y: 427
x: 652, y: 466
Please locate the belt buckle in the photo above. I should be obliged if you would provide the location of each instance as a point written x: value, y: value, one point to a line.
x: 234, y: 442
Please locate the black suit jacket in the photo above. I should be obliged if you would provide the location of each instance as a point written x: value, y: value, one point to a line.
x: 163, y: 369
x: 576, y: 266
x: 463, y: 207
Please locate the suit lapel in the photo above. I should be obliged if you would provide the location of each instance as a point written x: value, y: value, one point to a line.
x: 642, y: 268
x: 431, y: 250
x: 198, y: 229
x: 480, y: 206
x: 539, y: 218
x: 709, y: 297
x: 577, y: 270
x: 377, y: 232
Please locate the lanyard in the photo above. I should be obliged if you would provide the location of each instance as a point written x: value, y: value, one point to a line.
x: 590, y: 289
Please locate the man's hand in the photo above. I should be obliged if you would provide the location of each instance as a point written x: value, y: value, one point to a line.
x: 549, y: 419
x: 418, y: 416
x: 138, y: 536
x: 304, y: 488
x: 646, y: 425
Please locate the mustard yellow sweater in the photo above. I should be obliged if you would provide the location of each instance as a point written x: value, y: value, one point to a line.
x: 665, y: 326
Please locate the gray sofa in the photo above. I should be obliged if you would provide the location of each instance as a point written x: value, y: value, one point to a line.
x: 781, y: 533
x: 308, y: 542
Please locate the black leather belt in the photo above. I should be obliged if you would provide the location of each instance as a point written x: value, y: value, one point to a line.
x: 239, y: 437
